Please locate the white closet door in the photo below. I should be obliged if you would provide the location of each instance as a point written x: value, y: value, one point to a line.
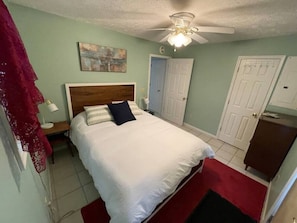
x: 285, y: 93
x: 253, y: 81
x: 177, y: 82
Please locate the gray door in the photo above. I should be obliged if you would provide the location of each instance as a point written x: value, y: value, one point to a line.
x: 157, y: 77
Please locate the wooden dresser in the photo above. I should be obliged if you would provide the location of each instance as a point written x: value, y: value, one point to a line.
x: 270, y: 144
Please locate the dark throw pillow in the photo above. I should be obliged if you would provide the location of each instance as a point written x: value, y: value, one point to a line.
x: 121, y: 112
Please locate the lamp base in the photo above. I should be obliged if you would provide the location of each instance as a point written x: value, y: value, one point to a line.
x: 47, y: 125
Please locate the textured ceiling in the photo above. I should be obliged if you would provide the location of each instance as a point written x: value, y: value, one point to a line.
x: 252, y: 19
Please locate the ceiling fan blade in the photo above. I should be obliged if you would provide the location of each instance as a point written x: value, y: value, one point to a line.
x: 163, y: 29
x: 214, y: 29
x: 199, y: 38
x: 164, y: 39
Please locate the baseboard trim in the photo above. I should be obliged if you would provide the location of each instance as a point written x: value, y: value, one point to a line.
x: 199, y: 130
x: 277, y: 203
x: 264, y: 210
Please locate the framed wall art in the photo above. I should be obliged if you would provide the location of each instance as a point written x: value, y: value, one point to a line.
x: 102, y: 58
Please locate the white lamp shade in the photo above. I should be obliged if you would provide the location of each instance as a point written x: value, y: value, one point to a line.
x: 146, y: 101
x: 187, y: 41
x: 179, y: 39
x: 171, y: 39
x: 52, y: 107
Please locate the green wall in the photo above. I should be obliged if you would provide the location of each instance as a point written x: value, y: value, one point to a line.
x: 51, y: 43
x: 213, y: 71
x: 283, y: 175
x: 22, y: 194
x: 212, y: 74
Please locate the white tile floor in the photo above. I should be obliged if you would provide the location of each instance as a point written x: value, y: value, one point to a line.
x: 73, y: 188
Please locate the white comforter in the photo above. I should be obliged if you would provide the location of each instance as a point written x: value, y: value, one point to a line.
x: 135, y: 166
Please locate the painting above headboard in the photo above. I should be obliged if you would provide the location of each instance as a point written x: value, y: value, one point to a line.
x: 79, y: 95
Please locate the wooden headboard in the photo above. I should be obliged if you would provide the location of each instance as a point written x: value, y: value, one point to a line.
x: 85, y: 94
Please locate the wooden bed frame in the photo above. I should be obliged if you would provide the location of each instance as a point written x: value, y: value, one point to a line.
x: 86, y: 94
x: 83, y: 94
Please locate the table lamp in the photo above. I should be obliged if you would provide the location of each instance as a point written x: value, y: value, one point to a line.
x: 52, y: 108
x: 146, y: 102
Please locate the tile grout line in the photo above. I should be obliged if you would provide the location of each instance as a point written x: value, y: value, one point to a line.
x: 80, y: 181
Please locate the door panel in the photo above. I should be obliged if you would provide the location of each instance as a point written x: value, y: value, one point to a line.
x: 177, y: 82
x: 285, y: 93
x: 254, y: 79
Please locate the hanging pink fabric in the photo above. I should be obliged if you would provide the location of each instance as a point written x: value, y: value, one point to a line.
x: 18, y: 94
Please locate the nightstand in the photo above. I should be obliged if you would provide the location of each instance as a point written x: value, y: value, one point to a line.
x: 58, y: 135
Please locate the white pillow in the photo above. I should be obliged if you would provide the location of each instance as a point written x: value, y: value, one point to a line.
x: 97, y: 114
x: 133, y: 106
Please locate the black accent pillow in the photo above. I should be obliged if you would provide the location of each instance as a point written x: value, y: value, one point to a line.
x: 121, y: 112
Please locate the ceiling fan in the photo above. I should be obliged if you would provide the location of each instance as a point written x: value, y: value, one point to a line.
x: 182, y: 33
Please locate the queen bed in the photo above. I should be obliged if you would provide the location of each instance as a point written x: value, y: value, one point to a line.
x: 136, y: 164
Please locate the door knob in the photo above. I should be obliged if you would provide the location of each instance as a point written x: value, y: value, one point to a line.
x: 255, y: 115
x: 184, y: 98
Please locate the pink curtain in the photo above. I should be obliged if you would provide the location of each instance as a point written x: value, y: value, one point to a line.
x: 18, y: 94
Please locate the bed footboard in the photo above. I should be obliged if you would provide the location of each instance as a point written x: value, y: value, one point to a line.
x: 195, y: 169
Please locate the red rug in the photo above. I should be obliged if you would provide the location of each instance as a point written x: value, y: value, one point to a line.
x: 243, y: 192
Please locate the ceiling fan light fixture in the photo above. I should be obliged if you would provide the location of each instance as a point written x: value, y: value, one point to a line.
x: 182, y: 19
x: 179, y: 39
x: 187, y: 40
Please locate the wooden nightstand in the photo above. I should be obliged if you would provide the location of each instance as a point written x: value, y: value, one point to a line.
x: 58, y: 135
